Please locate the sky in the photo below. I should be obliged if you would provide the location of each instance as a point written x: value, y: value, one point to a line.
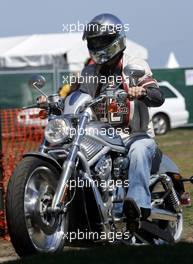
x: 161, y: 26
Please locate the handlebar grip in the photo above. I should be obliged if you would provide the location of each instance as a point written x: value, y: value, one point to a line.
x: 28, y: 107
x: 130, y: 97
x: 43, y: 105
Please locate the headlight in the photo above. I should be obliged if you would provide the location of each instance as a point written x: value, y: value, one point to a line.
x: 57, y: 130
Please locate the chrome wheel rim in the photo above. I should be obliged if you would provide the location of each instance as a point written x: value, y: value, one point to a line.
x: 177, y: 228
x: 39, y: 191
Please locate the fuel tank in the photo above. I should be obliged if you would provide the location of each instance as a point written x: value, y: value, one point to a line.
x: 95, y: 129
x: 104, y: 131
x: 75, y: 101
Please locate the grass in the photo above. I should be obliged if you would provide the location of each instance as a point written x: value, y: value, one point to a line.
x: 178, y: 145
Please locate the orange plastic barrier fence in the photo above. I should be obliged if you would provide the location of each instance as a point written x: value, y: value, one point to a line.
x: 21, y: 132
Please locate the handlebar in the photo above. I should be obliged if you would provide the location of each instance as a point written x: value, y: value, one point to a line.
x: 30, y: 106
x: 54, y: 104
x: 44, y: 105
x: 51, y: 106
x: 118, y: 94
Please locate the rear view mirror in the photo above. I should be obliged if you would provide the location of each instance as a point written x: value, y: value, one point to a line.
x: 37, y: 81
x: 133, y: 70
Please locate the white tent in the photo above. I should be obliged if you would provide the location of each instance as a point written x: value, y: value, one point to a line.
x: 172, y: 61
x: 42, y: 50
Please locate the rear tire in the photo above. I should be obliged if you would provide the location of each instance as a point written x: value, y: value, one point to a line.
x: 175, y: 228
x: 32, y: 177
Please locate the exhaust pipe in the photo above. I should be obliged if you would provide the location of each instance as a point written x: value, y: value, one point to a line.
x: 160, y: 214
x: 153, y: 229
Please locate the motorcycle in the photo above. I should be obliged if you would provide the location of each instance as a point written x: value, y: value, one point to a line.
x: 72, y: 190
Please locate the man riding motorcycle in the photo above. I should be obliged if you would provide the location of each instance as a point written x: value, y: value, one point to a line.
x: 106, y: 43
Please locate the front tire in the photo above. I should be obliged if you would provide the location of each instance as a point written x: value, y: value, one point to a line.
x: 30, y: 190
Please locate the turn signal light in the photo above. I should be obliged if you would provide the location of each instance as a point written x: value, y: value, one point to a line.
x: 43, y: 114
x: 185, y: 199
x: 113, y: 107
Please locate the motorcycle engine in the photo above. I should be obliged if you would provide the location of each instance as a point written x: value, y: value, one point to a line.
x: 103, y: 175
x: 103, y: 168
x: 120, y: 168
x: 107, y: 171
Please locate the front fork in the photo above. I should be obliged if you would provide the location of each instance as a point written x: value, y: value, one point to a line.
x: 69, y: 164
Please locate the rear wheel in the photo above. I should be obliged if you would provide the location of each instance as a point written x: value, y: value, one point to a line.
x: 30, y: 192
x: 174, y: 227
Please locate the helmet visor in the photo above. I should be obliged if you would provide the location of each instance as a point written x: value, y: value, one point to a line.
x: 101, y: 42
x: 103, y: 55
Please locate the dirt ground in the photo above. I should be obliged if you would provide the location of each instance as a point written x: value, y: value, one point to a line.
x: 6, y: 251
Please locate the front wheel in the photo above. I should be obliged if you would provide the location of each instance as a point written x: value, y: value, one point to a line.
x: 30, y: 191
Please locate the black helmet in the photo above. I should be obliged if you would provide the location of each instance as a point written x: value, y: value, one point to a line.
x: 105, y: 35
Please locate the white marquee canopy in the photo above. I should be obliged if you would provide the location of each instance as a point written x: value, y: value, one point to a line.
x: 42, y: 50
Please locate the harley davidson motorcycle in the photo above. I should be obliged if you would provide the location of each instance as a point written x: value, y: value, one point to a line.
x: 65, y: 189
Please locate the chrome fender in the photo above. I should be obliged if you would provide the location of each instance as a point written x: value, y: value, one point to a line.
x: 45, y: 157
x: 167, y: 165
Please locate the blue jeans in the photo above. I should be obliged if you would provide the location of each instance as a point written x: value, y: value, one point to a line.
x: 141, y: 151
